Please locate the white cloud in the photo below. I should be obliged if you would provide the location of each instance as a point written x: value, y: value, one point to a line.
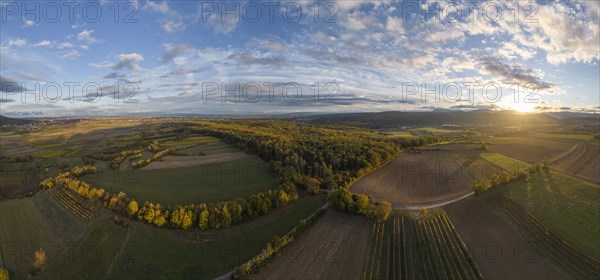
x: 28, y: 23
x: 65, y: 45
x: 171, y: 26
x: 163, y: 7
x: 17, y: 42
x: 86, y: 36
x: 44, y: 43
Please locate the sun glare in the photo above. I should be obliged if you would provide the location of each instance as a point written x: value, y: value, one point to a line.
x: 521, y: 107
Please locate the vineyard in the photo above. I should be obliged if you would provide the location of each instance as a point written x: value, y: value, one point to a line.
x: 427, y: 248
x: 71, y: 202
x: 548, y: 243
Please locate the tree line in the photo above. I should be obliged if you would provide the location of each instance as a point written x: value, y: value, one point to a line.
x: 360, y: 204
x: 203, y: 216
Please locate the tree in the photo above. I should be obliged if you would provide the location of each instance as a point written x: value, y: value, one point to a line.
x: 362, y: 204
x: 203, y: 220
x: 282, y: 198
x: 3, y: 273
x: 341, y: 199
x: 383, y: 210
x: 312, y: 185
x: 40, y: 259
x: 160, y: 220
x: 132, y: 208
x: 545, y: 162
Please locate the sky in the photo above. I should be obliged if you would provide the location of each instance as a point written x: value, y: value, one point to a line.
x: 122, y: 58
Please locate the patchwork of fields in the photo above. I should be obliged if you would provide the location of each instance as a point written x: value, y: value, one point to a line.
x: 542, y: 226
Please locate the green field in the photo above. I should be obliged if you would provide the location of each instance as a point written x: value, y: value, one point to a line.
x: 565, y: 204
x: 194, y: 184
x: 210, y: 148
x: 432, y: 130
x: 507, y: 163
x: 91, y: 255
x: 153, y: 254
x: 29, y: 224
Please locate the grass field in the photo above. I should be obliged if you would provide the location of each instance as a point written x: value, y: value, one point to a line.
x: 91, y: 255
x: 432, y: 130
x: 152, y: 254
x: 565, y: 204
x: 194, y: 184
x: 211, y: 148
x: 507, y: 163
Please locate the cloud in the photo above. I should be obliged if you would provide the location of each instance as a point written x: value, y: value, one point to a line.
x: 221, y: 24
x: 274, y: 45
x: 17, y: 42
x: 128, y: 61
x: 249, y: 59
x: 162, y: 8
x: 171, y: 26
x: 172, y: 51
x: 114, y: 75
x: 28, y: 22
x: 86, y: 36
x: 44, y: 43
x: 9, y: 85
x: 514, y: 74
x: 65, y: 45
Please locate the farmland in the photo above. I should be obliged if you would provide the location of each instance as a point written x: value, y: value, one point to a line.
x: 403, y: 181
x: 582, y: 161
x: 566, y: 205
x: 533, y: 147
x: 219, y: 166
x: 334, y: 248
x: 409, y: 247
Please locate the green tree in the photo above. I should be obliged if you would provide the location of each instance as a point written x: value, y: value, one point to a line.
x: 362, y: 204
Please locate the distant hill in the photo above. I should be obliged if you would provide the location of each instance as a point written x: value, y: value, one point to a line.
x: 394, y: 119
x: 6, y: 120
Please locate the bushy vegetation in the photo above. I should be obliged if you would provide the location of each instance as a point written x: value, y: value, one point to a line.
x: 334, y: 156
x: 259, y: 261
x: 360, y: 204
x: 205, y: 216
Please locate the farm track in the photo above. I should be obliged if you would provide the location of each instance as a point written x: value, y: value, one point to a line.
x: 562, y: 253
x: 71, y: 203
x: 405, y: 248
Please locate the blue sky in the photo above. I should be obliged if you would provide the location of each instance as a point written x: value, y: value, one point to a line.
x: 191, y: 57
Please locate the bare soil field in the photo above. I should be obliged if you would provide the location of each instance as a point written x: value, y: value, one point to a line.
x: 334, y: 248
x: 499, y: 251
x: 417, y: 179
x: 534, y: 147
x: 185, y: 161
x: 583, y: 161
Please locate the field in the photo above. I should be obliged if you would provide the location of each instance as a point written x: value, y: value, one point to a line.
x: 497, y: 248
x: 423, y: 247
x: 533, y: 147
x: 156, y: 254
x: 583, y: 161
x: 508, y: 164
x: 417, y: 178
x: 334, y: 248
x: 564, y: 255
x: 566, y: 205
x: 29, y: 224
x: 191, y: 184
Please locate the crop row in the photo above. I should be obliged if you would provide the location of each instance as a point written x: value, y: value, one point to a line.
x: 71, y: 203
x: 426, y: 248
x: 547, y: 242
